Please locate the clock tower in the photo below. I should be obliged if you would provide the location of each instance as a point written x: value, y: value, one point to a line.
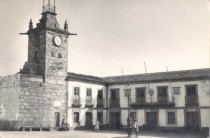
x: 44, y: 74
x: 48, y: 45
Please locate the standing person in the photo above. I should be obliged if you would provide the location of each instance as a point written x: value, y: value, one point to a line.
x: 63, y: 123
x: 129, y: 125
x: 97, y: 125
x: 135, y: 127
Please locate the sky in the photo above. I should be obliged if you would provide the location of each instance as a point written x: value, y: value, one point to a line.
x: 114, y: 35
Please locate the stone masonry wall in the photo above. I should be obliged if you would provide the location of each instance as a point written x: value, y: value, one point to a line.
x: 37, y: 101
x: 9, y: 102
x: 9, y: 97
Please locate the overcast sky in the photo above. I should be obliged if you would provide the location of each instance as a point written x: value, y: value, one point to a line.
x: 114, y: 34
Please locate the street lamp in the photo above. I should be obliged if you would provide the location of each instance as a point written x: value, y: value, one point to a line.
x: 127, y: 93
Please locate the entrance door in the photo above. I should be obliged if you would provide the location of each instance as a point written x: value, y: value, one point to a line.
x: 88, y: 120
x: 151, y: 120
x: 100, y: 117
x: 57, y: 119
x: 115, y: 120
x: 192, y: 121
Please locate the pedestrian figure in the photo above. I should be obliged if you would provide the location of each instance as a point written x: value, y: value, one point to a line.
x: 129, y: 123
x: 135, y: 127
x: 64, y: 124
x: 97, y: 126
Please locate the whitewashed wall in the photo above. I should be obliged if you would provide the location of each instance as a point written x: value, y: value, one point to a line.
x: 203, y: 92
x: 205, y: 117
x: 82, y: 110
x: 83, y: 87
x: 203, y: 88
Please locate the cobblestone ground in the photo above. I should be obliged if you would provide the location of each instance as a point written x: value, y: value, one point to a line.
x: 90, y: 134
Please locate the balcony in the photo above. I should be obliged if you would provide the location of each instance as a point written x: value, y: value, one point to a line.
x: 100, y: 103
x: 154, y: 103
x: 191, y: 101
x: 76, y: 103
x: 114, y: 103
x: 89, y: 103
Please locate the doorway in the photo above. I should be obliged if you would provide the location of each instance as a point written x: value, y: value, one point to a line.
x: 192, y: 121
x: 151, y: 120
x: 114, y: 120
x: 88, y: 120
x: 57, y: 119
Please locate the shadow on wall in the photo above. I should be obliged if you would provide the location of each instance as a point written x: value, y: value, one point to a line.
x: 8, y: 125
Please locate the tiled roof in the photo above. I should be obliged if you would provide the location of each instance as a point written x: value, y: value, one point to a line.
x: 144, y: 78
x: 86, y: 78
x: 162, y: 76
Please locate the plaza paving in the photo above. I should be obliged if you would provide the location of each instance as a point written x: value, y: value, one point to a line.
x: 90, y: 134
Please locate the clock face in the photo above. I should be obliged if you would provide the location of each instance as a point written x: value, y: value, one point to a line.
x: 57, y: 40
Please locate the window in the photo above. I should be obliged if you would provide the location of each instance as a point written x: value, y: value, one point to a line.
x: 191, y: 98
x: 100, y: 94
x: 76, y: 117
x: 133, y: 115
x: 89, y: 92
x: 162, y: 94
x: 114, y: 94
x: 191, y: 90
x: 162, y: 91
x: 171, y: 118
x: 140, y: 95
x: 76, y: 91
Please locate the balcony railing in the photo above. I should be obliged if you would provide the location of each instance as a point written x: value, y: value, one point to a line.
x: 155, y: 102
x: 89, y: 103
x: 140, y: 100
x: 163, y: 100
x: 191, y: 101
x: 76, y: 103
x: 100, y: 102
x: 114, y: 103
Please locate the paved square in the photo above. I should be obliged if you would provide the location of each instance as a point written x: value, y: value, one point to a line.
x: 90, y: 134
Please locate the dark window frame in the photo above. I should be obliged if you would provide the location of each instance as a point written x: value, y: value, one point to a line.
x: 193, y: 85
x: 138, y: 96
x: 76, y: 91
x: 171, y: 118
x: 100, y: 94
x: 89, y: 92
x: 115, y: 90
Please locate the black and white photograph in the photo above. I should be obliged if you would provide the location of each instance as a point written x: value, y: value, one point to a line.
x: 105, y: 68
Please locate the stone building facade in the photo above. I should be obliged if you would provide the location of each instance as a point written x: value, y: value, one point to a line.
x: 36, y: 96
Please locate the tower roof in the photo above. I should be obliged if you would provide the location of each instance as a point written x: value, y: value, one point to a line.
x: 48, y: 21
